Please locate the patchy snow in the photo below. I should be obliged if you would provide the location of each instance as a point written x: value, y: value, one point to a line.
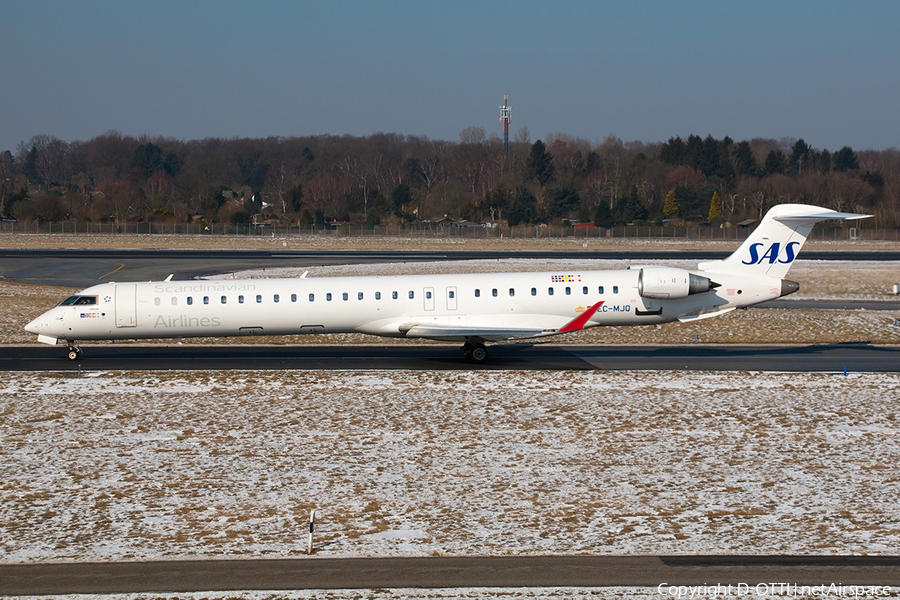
x: 133, y: 465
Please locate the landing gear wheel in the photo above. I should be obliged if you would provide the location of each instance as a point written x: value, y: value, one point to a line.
x: 478, y: 353
x: 74, y: 351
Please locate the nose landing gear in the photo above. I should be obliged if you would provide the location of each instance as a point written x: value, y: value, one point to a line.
x: 74, y: 350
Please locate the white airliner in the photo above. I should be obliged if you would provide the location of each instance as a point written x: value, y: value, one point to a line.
x: 469, y: 308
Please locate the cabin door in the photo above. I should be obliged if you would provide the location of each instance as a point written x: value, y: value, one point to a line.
x: 126, y: 305
x: 429, y: 298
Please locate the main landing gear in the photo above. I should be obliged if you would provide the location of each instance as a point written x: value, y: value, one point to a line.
x: 477, y: 353
x: 74, y: 350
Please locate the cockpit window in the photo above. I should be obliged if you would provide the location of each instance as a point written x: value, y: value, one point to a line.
x: 79, y: 301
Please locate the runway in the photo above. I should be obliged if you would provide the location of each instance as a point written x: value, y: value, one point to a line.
x: 812, y: 358
x: 445, y: 572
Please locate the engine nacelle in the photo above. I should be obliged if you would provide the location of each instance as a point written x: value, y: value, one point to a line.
x: 668, y: 283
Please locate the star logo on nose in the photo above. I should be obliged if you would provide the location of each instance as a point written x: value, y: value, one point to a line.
x: 107, y: 299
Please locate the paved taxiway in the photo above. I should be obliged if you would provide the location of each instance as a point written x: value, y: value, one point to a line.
x: 725, y: 357
x: 443, y: 572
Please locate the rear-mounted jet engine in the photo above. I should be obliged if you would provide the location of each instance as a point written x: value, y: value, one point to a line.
x: 663, y: 283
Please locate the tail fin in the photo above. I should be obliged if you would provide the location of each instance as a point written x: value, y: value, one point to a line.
x: 773, y: 246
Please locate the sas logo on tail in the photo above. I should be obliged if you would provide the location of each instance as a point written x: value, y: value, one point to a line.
x: 773, y: 254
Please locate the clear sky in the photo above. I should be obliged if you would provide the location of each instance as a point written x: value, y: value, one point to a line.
x: 823, y: 71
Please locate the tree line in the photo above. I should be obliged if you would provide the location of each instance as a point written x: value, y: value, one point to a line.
x: 391, y: 178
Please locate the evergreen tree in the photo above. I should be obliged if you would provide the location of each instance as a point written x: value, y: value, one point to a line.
x: 400, y: 198
x: 540, y: 163
x: 694, y: 152
x: 670, y: 208
x: 709, y: 157
x: 523, y: 208
x: 633, y: 208
x: 147, y: 158
x: 29, y: 167
x: 673, y: 152
x: 799, y: 156
x: 561, y: 202
x: 774, y: 162
x: 845, y: 159
x: 744, y: 161
x: 603, y: 216
x: 319, y: 219
x: 715, y: 207
x: 295, y: 198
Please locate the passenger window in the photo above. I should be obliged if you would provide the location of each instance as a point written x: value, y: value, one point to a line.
x: 258, y: 299
x: 428, y: 295
x: 156, y: 301
x: 312, y: 297
x: 190, y: 300
x: 452, y: 294
x: 345, y: 296
x: 378, y: 295
x: 478, y: 293
x: 293, y: 297
x: 276, y: 298
x: 241, y: 299
x: 328, y: 297
x: 550, y: 291
x: 512, y: 292
x: 568, y: 291
x: 174, y: 301
x: 494, y: 292
x: 615, y: 289
x: 584, y: 290
x: 412, y: 294
x: 224, y: 299
x: 534, y: 291
x: 394, y: 295
x: 205, y: 299
x: 601, y: 289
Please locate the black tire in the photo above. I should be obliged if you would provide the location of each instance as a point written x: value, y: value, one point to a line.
x: 478, y: 353
x: 73, y: 355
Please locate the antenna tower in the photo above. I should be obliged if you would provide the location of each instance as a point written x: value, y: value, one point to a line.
x: 505, y: 112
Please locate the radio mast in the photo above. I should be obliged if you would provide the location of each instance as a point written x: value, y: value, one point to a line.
x: 505, y: 112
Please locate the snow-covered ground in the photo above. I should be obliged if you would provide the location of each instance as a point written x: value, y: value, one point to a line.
x: 138, y: 465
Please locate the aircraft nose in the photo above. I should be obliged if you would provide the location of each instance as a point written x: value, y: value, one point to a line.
x: 34, y: 326
x: 39, y: 325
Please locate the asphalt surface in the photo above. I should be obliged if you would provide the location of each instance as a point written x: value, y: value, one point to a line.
x: 444, y: 572
x: 833, y: 358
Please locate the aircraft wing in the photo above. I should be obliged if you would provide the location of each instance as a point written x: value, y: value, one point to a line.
x: 462, y: 334
x: 495, y: 334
